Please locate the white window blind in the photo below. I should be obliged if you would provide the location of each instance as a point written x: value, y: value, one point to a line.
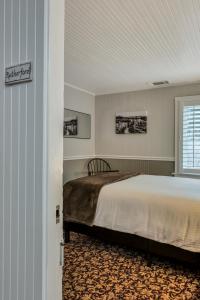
x: 191, y: 137
x: 187, y: 135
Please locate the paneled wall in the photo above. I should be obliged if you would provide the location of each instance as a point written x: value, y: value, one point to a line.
x: 78, y: 168
x: 75, y: 169
x: 21, y: 148
x: 143, y: 166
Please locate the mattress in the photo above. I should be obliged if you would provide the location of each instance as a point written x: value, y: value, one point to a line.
x: 161, y: 208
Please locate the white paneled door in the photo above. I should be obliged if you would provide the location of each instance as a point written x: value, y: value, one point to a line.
x: 31, y: 150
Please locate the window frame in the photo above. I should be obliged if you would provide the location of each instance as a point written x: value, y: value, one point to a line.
x: 180, y: 102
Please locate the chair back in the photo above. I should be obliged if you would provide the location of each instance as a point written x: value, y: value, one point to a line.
x: 98, y: 165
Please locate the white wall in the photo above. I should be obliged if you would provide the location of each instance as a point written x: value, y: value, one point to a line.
x: 83, y: 102
x: 21, y: 148
x: 158, y: 143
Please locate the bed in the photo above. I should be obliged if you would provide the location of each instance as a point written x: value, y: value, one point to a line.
x: 158, y: 214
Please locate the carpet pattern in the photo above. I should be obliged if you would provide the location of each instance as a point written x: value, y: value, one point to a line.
x: 98, y: 271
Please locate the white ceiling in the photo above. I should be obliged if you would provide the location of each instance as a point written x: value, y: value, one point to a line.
x: 124, y: 45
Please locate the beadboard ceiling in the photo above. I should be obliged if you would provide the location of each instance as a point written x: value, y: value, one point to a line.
x: 114, y: 46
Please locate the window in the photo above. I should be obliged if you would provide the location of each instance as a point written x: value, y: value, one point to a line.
x: 187, y: 135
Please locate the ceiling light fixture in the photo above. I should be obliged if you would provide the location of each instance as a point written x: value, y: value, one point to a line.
x: 157, y: 83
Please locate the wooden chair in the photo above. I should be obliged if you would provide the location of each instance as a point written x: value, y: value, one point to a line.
x: 98, y: 165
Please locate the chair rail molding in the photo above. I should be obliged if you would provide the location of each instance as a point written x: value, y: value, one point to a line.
x: 78, y: 157
x: 114, y: 156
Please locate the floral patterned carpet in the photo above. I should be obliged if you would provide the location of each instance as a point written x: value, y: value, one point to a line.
x: 98, y: 271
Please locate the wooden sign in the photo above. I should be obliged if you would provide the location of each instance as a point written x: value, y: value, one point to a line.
x: 18, y: 74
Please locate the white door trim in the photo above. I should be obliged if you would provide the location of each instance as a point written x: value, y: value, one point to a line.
x: 53, y: 146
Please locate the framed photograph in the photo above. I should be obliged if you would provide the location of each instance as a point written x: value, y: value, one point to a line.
x: 70, y: 126
x: 131, y: 122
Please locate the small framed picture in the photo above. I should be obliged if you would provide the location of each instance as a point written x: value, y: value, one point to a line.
x: 70, y: 126
x: 131, y: 122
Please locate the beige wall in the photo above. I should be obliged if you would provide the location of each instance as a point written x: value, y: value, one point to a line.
x: 159, y: 140
x: 158, y: 143
x: 83, y: 102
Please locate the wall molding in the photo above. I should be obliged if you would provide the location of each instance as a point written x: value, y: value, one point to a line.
x: 78, y: 157
x: 78, y: 88
x: 113, y: 156
x: 157, y: 158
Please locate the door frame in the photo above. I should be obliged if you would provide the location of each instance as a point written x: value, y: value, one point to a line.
x: 53, y: 146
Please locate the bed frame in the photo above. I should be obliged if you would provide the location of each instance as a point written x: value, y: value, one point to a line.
x: 132, y: 241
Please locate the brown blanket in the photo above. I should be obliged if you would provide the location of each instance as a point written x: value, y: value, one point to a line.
x: 80, y: 196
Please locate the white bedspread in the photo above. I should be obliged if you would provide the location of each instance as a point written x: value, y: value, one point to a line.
x: 161, y: 208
